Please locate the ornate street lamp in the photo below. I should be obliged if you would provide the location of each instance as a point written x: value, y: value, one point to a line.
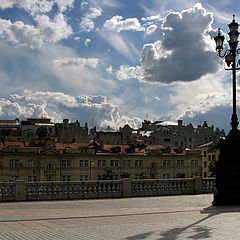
x: 230, y: 59
x: 227, y: 190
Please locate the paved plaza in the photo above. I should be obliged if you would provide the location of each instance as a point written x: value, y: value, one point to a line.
x: 157, y: 218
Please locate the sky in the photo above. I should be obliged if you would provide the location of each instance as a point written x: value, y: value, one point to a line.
x: 115, y: 62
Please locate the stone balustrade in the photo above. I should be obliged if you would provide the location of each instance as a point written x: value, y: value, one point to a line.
x: 35, y: 191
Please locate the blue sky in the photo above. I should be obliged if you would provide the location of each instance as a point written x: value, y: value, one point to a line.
x: 112, y: 62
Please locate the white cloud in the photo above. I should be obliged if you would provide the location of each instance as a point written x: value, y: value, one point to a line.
x: 117, y: 24
x: 20, y: 34
x: 53, y: 31
x: 83, y: 4
x: 87, y: 41
x: 211, y: 93
x: 186, y: 51
x: 87, y: 23
x: 152, y: 18
x: 58, y: 106
x: 79, y: 62
x: 151, y: 29
x: 64, y: 4
x: 27, y: 35
x: 126, y: 72
x: 109, y: 69
x: 32, y: 6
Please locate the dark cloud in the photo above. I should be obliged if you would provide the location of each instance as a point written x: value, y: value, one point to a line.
x: 185, y: 51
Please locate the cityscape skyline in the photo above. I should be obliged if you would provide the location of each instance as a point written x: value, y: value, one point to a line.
x: 115, y: 62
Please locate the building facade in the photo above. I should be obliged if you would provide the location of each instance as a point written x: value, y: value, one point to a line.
x: 50, y: 161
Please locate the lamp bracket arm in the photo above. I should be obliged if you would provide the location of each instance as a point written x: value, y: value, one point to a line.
x: 224, y: 54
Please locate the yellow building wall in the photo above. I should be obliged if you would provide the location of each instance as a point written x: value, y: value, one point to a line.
x: 73, y: 165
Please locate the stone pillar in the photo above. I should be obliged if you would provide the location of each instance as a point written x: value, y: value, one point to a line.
x: 227, y: 190
x: 197, y: 185
x: 127, y: 190
x: 20, y: 193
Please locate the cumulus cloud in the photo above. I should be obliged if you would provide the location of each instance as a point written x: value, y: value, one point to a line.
x: 47, y: 30
x: 79, y: 62
x: 117, y: 24
x: 20, y: 34
x: 64, y: 4
x: 87, y: 23
x: 185, y: 52
x: 151, y: 29
x: 126, y: 72
x: 53, y: 30
x: 33, y: 7
x: 87, y: 41
x: 58, y: 106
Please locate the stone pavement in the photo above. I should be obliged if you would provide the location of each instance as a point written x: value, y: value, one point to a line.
x: 156, y: 218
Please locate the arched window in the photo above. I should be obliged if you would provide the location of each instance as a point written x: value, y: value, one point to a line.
x: 49, y: 166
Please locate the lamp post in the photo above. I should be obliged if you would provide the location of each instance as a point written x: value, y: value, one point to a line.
x: 227, y: 190
x: 230, y: 58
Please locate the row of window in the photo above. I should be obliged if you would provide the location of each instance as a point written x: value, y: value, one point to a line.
x: 100, y: 163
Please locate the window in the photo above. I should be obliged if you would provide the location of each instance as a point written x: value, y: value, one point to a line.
x: 101, y: 163
x: 30, y: 163
x: 193, y: 175
x: 66, y: 163
x: 66, y: 178
x: 194, y: 163
x: 114, y: 163
x: 49, y: 177
x: 166, y: 176
x: 209, y: 158
x: 11, y: 163
x: 205, y: 154
x: 83, y: 177
x: 32, y: 178
x: 14, y: 163
x: 205, y: 164
x: 13, y: 178
x: 166, y: 163
x: 50, y: 167
x: 137, y: 176
x: 167, y: 140
x: 180, y: 175
x: 180, y: 163
x: 138, y: 163
x: 126, y: 163
x: 81, y: 163
x: 86, y: 163
x: 104, y: 163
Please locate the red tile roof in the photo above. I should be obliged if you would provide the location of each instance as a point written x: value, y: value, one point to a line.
x: 71, y: 145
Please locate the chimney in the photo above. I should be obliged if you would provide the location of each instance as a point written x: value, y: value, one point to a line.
x: 180, y: 122
x: 65, y: 121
